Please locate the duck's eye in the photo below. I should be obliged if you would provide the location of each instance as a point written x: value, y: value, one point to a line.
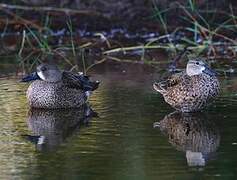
x: 197, y: 63
x: 43, y: 69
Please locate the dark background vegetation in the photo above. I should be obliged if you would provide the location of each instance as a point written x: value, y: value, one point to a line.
x: 83, y: 33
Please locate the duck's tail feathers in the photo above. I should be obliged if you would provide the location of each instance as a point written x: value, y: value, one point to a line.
x: 158, y: 87
x: 79, y: 81
x: 90, y: 85
x: 35, y: 139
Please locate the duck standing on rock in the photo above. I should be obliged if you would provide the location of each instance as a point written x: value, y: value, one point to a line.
x: 192, y: 89
x: 53, y: 88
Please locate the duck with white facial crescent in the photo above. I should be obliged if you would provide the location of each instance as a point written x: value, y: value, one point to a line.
x: 192, y: 89
x: 52, y: 88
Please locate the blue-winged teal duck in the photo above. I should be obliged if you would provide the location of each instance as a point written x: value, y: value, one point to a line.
x: 54, y: 89
x: 192, y: 89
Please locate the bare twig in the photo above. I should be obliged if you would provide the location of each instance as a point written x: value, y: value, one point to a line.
x: 92, y: 65
x: 173, y: 64
x: 44, y: 8
x: 22, y: 20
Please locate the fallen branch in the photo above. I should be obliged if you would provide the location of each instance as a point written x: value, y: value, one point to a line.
x: 44, y: 8
x: 22, y: 20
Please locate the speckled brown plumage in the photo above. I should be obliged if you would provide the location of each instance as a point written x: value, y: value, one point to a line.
x: 189, y: 93
x: 42, y: 94
x: 53, y: 89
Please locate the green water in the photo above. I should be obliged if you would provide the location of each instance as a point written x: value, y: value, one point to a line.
x: 121, y: 142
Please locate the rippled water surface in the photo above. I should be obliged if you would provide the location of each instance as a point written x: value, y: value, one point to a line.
x: 132, y: 134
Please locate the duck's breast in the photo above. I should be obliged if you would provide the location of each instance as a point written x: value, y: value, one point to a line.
x: 192, y: 92
x: 41, y: 94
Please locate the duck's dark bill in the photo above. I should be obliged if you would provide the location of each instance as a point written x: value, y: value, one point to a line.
x: 31, y: 77
x: 209, y: 71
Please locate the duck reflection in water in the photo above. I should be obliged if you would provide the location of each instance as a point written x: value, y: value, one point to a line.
x: 193, y: 134
x: 51, y: 127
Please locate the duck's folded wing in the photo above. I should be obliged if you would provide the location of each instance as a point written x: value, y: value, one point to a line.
x: 79, y: 81
x: 170, y: 82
